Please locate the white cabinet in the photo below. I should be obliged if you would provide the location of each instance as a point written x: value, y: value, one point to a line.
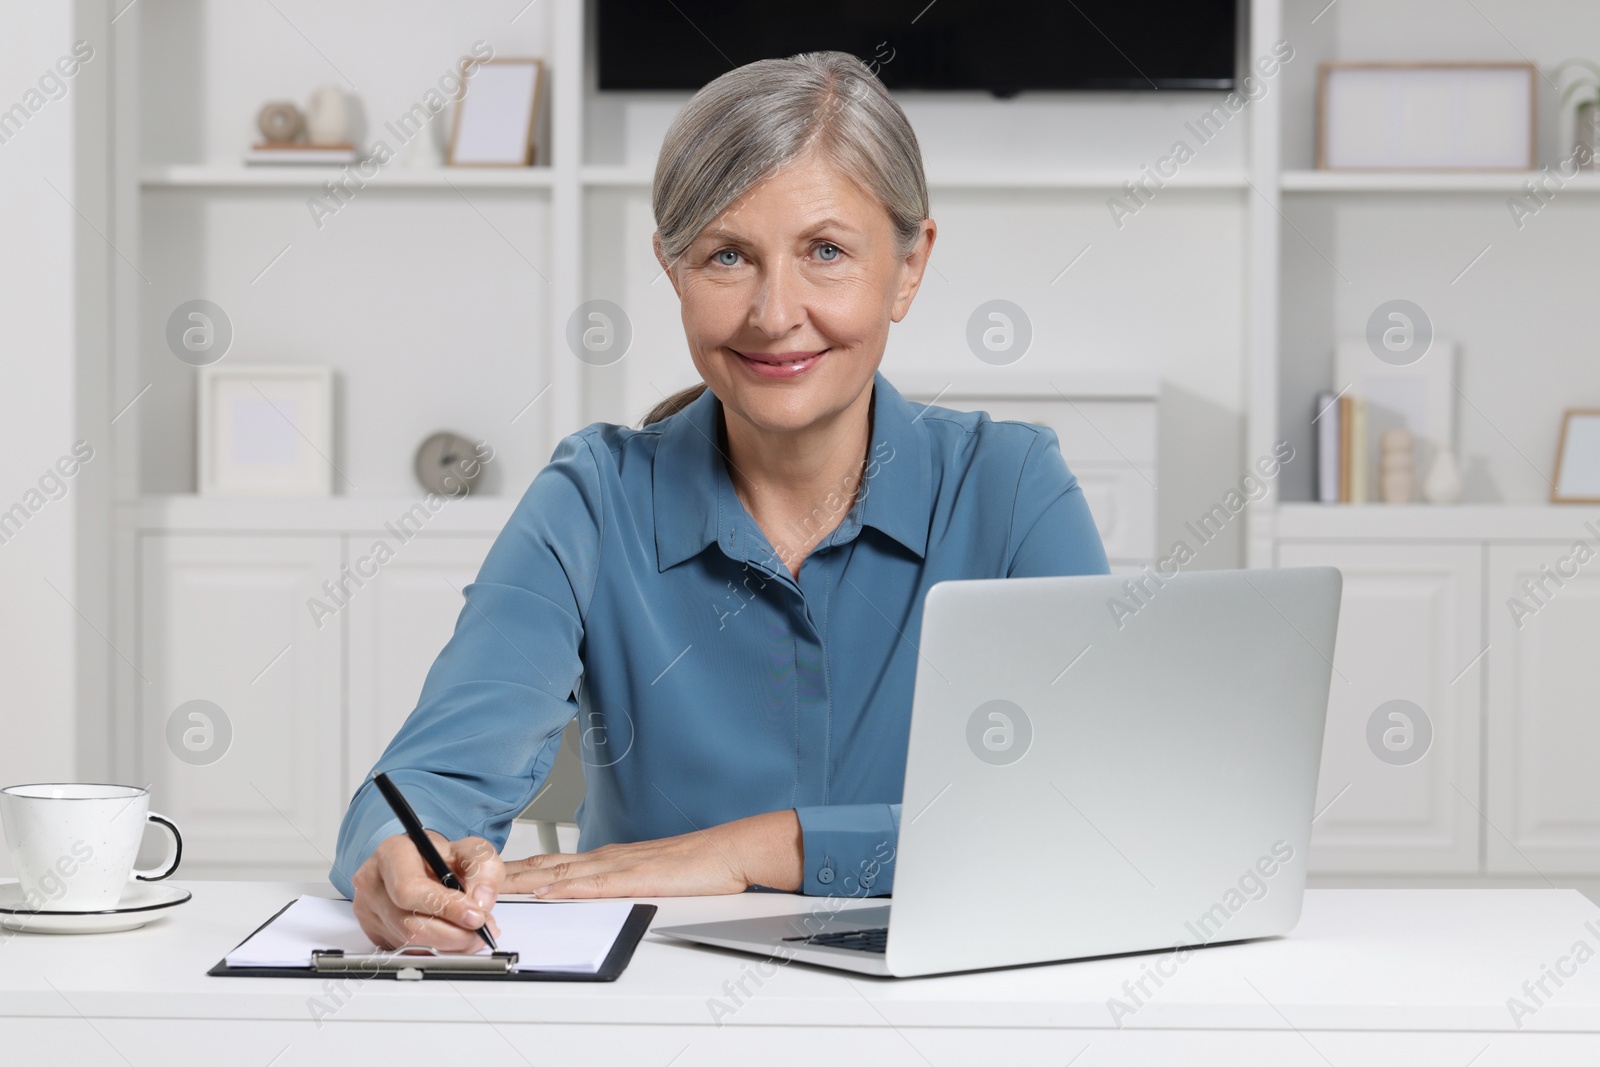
x: 398, y: 622
x: 1409, y: 626
x: 1492, y: 614
x: 223, y: 618
x: 312, y: 660
x: 1543, y: 725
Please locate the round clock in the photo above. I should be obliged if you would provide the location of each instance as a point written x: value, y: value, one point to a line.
x: 448, y: 464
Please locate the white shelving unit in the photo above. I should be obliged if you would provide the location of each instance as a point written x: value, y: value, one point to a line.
x: 1428, y: 614
x: 441, y: 297
x: 1333, y: 246
x: 513, y: 252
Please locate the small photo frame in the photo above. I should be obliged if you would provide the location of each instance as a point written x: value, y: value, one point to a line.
x: 1578, y: 459
x: 1426, y: 116
x: 496, y: 113
x: 265, y: 430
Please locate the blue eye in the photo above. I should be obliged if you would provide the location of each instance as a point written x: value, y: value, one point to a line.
x: 725, y: 252
x: 836, y: 248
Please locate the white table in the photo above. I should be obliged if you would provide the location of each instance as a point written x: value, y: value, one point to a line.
x: 1369, y: 977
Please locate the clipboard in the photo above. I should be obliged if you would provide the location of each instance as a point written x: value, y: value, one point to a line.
x: 403, y: 965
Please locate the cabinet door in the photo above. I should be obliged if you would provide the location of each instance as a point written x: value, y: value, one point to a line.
x: 399, y: 620
x: 225, y: 619
x: 1544, y: 710
x: 1410, y: 627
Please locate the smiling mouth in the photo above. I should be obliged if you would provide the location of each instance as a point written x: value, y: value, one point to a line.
x: 784, y: 360
x: 780, y: 366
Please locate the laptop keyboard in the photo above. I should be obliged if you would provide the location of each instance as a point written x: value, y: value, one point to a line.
x: 875, y: 939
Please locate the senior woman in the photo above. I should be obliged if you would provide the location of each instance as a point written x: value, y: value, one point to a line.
x: 728, y: 598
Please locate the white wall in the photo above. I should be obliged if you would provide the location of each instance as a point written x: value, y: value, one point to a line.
x: 49, y: 272
x: 1521, y: 316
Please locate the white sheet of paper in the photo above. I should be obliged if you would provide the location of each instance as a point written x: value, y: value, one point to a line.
x: 570, y: 936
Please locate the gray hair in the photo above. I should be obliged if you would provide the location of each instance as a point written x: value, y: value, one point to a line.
x: 746, y: 125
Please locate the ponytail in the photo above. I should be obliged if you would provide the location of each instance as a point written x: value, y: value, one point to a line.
x: 674, y: 403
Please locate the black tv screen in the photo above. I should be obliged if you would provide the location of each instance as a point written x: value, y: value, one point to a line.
x: 1001, y: 46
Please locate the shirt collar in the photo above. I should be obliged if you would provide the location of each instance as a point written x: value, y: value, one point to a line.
x: 695, y: 503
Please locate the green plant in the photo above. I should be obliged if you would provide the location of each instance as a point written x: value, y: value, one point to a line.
x: 1587, y: 85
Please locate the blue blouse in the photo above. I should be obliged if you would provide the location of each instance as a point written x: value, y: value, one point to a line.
x: 632, y: 589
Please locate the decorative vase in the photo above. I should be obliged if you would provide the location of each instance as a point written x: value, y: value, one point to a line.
x: 1443, y: 483
x: 280, y: 122
x: 1396, y: 466
x: 328, y: 117
x: 1588, y: 134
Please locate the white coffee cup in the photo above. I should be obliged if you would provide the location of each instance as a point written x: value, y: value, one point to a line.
x: 74, y: 844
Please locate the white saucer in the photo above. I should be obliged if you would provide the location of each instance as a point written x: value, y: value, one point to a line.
x: 141, y: 902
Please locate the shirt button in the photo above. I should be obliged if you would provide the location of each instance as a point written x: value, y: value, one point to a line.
x: 866, y: 881
x: 825, y: 875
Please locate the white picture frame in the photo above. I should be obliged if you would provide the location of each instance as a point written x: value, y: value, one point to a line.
x: 496, y: 114
x: 1426, y: 116
x: 1578, y: 459
x: 265, y: 430
x: 1420, y: 397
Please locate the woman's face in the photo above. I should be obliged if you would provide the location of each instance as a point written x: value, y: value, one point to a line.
x: 788, y: 296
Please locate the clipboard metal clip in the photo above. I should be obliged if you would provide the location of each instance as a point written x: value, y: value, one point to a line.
x: 410, y: 964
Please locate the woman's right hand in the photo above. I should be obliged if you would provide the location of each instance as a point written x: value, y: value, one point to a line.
x: 398, y: 901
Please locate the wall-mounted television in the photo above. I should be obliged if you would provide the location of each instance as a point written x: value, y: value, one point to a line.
x: 1000, y: 46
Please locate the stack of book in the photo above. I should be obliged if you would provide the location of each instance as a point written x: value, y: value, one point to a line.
x: 297, y: 153
x: 1342, y: 462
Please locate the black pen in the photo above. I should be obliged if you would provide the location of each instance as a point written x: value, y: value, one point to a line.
x: 408, y: 819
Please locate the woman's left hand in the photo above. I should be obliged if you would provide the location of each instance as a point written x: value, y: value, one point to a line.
x: 760, y: 850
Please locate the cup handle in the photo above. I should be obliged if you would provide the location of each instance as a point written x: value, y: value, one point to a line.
x: 174, y: 852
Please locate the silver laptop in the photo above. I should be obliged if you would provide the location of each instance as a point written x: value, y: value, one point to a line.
x: 1097, y: 765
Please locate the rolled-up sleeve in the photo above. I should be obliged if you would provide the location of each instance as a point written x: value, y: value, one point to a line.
x: 485, y: 731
